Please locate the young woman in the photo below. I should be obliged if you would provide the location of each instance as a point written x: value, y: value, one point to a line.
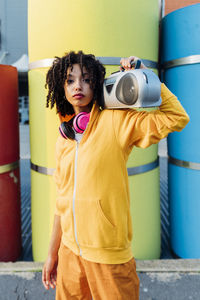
x: 90, y: 253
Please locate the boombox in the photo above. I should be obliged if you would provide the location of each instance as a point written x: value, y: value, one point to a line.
x: 131, y: 89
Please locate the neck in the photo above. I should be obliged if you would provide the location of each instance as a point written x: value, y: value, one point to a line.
x: 78, y: 109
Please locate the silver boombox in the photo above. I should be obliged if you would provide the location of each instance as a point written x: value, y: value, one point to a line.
x: 131, y: 89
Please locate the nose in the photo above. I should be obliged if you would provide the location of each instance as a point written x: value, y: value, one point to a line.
x: 78, y: 85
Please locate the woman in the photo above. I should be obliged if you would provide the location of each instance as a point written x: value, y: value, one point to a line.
x: 90, y: 253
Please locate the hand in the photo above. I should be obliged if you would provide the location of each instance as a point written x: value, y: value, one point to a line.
x: 49, y: 272
x: 126, y: 63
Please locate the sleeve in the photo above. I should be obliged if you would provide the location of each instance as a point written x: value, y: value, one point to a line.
x: 57, y: 175
x: 143, y: 128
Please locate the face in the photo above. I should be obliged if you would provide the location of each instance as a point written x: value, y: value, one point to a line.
x: 77, y: 89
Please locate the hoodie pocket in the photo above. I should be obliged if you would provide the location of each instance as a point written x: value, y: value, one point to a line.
x: 94, y: 228
x: 66, y: 218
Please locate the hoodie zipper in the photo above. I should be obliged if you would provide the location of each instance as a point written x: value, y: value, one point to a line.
x: 74, y: 192
x: 74, y: 196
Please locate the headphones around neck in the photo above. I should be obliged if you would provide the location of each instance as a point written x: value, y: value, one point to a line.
x: 80, y: 122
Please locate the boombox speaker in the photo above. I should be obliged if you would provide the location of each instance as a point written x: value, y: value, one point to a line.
x: 131, y: 89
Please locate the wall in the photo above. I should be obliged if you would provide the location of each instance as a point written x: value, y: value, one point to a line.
x: 13, y: 19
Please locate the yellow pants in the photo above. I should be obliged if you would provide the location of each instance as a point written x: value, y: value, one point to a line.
x: 78, y: 278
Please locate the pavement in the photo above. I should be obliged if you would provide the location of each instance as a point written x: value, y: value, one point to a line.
x: 174, y: 279
x: 164, y: 279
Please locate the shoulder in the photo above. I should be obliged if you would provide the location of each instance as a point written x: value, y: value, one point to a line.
x: 118, y: 112
x: 107, y: 115
x: 117, y: 117
x: 59, y: 144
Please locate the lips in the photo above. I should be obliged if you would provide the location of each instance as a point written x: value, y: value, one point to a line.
x: 78, y: 96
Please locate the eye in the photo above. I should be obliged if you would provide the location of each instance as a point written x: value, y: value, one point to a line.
x: 86, y: 80
x: 69, y: 81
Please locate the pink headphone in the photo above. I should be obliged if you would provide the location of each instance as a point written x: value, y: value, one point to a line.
x: 79, y: 123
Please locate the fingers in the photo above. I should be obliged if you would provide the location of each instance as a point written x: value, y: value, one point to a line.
x: 53, y: 281
x: 45, y: 278
x: 48, y: 278
x: 126, y: 63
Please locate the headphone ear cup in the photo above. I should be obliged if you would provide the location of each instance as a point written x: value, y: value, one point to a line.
x: 66, y: 131
x: 80, y: 122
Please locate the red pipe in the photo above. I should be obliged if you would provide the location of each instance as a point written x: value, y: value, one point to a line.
x: 10, y: 216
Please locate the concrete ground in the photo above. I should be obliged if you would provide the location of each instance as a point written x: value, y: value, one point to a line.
x: 159, y: 280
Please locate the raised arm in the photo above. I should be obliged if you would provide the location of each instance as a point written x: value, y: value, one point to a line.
x: 143, y: 128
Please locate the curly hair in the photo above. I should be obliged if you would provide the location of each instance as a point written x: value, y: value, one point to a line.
x: 57, y: 75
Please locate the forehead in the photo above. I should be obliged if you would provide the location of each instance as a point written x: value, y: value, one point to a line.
x: 76, y: 70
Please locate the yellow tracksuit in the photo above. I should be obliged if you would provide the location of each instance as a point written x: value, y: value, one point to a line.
x: 93, y: 199
x: 92, y: 181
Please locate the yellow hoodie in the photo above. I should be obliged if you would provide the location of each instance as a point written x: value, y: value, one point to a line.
x: 92, y: 182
